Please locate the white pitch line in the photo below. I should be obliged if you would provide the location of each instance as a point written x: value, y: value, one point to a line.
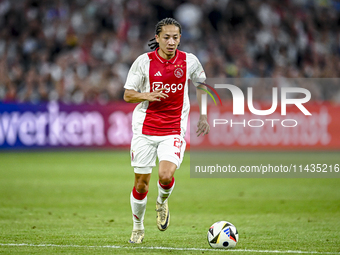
x: 161, y: 248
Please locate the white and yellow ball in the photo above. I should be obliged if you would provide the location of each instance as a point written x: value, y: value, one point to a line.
x: 222, y: 235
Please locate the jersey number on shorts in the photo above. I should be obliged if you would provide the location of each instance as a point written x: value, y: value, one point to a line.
x: 178, y: 144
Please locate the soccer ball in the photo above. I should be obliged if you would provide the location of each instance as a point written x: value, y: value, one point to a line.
x: 222, y: 235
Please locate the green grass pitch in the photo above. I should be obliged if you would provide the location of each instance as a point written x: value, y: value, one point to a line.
x: 78, y: 203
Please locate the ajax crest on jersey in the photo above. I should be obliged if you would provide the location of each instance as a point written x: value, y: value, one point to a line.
x: 222, y: 235
x: 179, y: 72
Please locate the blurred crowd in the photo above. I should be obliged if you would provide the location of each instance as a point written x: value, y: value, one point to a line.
x: 77, y: 51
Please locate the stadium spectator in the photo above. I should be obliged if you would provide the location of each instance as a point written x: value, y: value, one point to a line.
x: 62, y: 50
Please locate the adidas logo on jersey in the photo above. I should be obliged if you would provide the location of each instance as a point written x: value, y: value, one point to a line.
x: 158, y: 73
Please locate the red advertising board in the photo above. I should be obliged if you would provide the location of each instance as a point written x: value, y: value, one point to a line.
x: 54, y: 125
x: 319, y: 131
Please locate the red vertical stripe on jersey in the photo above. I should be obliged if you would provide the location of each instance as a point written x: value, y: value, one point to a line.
x: 164, y: 117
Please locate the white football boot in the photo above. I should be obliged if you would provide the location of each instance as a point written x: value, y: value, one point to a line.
x: 137, y: 236
x: 163, y: 215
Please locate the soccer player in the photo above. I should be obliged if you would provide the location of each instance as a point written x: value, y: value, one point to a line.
x: 158, y: 81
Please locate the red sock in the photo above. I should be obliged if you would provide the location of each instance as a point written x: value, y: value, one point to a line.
x: 168, y: 186
x: 137, y: 195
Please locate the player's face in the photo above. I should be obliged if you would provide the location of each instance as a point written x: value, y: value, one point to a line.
x: 168, y: 40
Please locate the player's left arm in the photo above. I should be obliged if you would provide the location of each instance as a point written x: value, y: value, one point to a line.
x: 197, y: 76
x: 203, y: 126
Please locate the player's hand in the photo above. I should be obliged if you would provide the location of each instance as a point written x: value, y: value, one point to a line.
x: 202, y: 126
x: 157, y: 95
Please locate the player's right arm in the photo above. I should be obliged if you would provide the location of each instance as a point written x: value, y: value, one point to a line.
x: 132, y: 96
x: 135, y: 83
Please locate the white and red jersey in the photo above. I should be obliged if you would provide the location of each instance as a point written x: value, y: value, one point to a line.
x: 150, y: 72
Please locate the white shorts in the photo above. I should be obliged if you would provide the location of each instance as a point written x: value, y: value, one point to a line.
x: 145, y: 148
